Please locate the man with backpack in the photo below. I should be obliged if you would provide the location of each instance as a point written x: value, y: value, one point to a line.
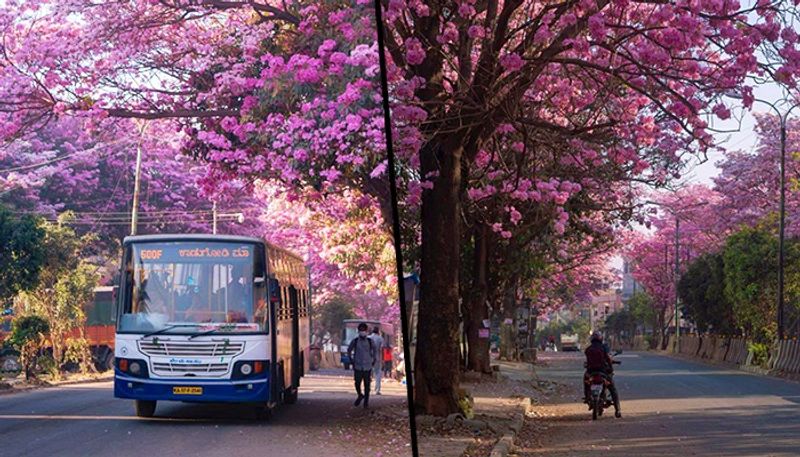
x: 362, y: 353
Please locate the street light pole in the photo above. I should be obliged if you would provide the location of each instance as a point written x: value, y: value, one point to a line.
x: 782, y: 117
x: 782, y: 225
x: 677, y: 344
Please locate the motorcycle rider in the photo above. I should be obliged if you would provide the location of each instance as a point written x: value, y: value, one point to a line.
x: 599, y: 360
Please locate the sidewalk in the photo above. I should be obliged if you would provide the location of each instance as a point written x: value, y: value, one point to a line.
x: 498, y: 403
x: 9, y: 385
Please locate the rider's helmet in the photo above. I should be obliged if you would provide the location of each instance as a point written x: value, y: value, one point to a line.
x: 596, y: 336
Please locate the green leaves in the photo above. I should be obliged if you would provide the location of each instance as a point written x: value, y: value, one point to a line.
x: 702, y: 292
x: 28, y: 329
x: 21, y: 253
x: 751, y: 279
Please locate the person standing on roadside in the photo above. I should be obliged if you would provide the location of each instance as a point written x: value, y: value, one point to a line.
x: 387, y: 360
x: 377, y: 343
x: 362, y: 353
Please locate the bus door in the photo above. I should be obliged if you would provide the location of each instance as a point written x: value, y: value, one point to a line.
x: 294, y: 304
x: 274, y: 303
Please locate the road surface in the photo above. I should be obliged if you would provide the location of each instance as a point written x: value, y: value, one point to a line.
x: 670, y: 407
x: 86, y: 420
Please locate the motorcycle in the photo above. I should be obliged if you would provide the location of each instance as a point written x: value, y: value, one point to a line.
x: 599, y: 383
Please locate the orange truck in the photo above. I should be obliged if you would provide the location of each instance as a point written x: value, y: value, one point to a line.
x: 98, y: 330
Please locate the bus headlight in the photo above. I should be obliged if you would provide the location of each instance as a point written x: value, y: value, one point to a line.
x: 248, y: 369
x: 133, y: 367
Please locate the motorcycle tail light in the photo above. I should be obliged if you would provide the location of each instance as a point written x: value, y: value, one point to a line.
x: 597, y: 379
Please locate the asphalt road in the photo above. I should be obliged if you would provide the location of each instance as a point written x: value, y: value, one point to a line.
x: 86, y: 420
x: 670, y: 407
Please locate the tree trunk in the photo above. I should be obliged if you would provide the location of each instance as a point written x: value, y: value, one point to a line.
x: 436, y: 368
x: 477, y: 311
x: 508, y: 334
x: 662, y: 327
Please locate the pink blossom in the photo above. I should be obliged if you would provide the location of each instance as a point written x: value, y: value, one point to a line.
x: 415, y: 54
x: 511, y: 62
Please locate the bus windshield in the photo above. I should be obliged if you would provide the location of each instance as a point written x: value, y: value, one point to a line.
x: 189, y: 287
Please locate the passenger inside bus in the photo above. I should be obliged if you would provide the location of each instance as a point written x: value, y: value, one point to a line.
x: 236, y: 296
x: 156, y: 294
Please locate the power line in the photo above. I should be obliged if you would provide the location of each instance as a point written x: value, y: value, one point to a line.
x: 127, y: 213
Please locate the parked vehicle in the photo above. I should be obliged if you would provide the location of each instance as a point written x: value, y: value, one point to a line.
x: 569, y: 342
x: 211, y: 318
x: 98, y: 329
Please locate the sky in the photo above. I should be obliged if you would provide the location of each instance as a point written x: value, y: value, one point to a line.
x: 744, y: 138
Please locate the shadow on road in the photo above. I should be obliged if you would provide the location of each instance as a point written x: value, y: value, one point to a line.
x: 721, y: 431
x: 670, y: 407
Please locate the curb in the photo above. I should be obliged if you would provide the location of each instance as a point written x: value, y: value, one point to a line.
x: 506, y: 443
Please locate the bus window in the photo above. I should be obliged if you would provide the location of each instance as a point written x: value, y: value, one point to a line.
x: 190, y: 283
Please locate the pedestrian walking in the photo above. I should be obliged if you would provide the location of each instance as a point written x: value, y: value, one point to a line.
x: 387, y: 360
x: 363, y: 354
x: 377, y: 365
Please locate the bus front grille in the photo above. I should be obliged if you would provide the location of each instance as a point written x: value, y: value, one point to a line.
x: 187, y: 349
x: 181, y: 369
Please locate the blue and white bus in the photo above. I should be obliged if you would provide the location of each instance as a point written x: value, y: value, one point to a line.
x: 210, y: 318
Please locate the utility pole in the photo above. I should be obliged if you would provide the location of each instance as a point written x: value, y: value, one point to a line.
x: 214, y: 217
x: 674, y: 212
x: 137, y: 181
x: 677, y: 345
x: 238, y: 217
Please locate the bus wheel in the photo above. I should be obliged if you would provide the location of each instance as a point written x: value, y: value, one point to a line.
x: 145, y: 408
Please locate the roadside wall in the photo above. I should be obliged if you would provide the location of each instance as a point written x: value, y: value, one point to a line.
x: 783, y: 359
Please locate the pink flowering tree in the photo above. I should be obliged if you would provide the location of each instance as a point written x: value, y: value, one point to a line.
x: 342, y: 240
x: 701, y: 230
x: 464, y: 72
x: 65, y: 167
x: 750, y: 181
x: 255, y: 92
x: 284, y: 92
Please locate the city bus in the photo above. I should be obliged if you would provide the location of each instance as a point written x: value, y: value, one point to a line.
x: 210, y: 318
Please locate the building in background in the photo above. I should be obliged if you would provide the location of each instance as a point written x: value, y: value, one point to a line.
x: 602, y: 304
x: 629, y: 285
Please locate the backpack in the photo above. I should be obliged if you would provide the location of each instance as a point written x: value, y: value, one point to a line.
x: 355, y: 346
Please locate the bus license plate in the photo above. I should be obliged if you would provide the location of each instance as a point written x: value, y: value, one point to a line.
x: 186, y: 390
